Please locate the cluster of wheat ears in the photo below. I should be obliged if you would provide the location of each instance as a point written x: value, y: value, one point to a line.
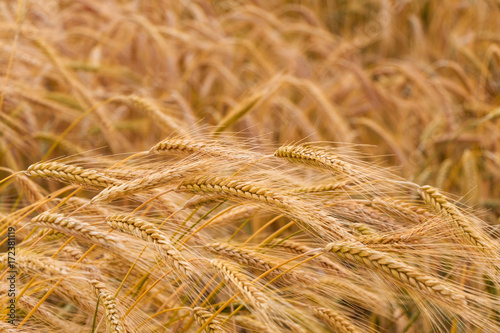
x: 226, y: 166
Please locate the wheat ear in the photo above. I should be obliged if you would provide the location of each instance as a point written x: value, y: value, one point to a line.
x: 253, y: 259
x: 466, y: 229
x: 340, y: 186
x: 147, y: 106
x: 43, y: 266
x: 396, y: 269
x: 401, y: 209
x: 137, y: 185
x: 335, y: 320
x: 299, y: 248
x: 233, y: 188
x: 113, y: 321
x: 70, y: 173
x: 314, y: 157
x: 73, y: 227
x: 410, y: 235
x: 150, y: 233
x: 244, y: 285
x: 201, y: 315
x: 179, y: 146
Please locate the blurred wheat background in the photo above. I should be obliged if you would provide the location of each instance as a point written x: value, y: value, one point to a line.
x: 250, y: 166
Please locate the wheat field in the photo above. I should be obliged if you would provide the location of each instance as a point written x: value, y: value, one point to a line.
x: 250, y: 166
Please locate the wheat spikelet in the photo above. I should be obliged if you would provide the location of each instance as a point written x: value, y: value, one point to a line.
x: 148, y: 232
x: 201, y: 315
x: 396, y: 269
x: 315, y: 157
x: 113, y: 321
x: 244, y: 285
x: 70, y: 173
x: 73, y: 227
x: 465, y: 228
x: 335, y: 320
